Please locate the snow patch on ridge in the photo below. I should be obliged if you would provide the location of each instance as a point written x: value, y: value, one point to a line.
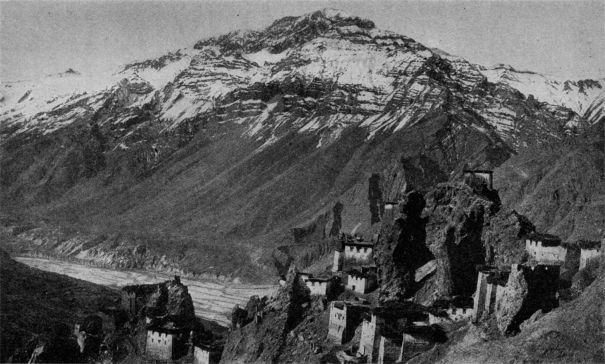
x: 264, y: 57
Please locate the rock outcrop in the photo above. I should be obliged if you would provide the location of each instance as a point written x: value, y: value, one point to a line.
x: 502, y: 238
x: 401, y: 250
x: 171, y: 299
x: 508, y: 307
x: 264, y: 341
x: 441, y: 238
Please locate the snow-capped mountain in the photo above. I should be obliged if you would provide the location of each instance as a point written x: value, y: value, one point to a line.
x: 585, y: 97
x: 249, y: 134
x: 383, y: 78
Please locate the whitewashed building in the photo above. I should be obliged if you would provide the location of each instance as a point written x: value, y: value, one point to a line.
x: 589, y: 251
x: 545, y: 248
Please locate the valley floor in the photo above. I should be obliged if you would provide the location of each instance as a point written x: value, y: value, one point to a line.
x: 212, y: 301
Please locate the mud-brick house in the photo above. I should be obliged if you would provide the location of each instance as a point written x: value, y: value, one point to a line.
x: 451, y: 311
x: 345, y: 317
x: 589, y: 252
x: 545, y: 248
x: 382, y: 331
x: 362, y: 280
x: 165, y: 341
x: 490, y: 287
x: 483, y: 175
x: 321, y: 285
x: 201, y: 355
x: 358, y: 251
x: 391, y: 212
x: 134, y: 297
x: 206, y: 354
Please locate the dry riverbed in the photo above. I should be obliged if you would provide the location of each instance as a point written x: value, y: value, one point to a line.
x: 212, y: 301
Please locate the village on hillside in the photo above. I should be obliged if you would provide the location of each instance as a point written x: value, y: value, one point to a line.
x: 373, y: 332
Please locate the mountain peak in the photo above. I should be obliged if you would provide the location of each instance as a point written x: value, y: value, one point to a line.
x: 289, y: 31
x: 508, y: 67
x: 339, y: 15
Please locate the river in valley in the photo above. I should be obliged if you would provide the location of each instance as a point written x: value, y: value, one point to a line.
x: 212, y: 300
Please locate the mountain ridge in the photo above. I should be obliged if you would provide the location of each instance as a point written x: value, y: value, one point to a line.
x: 210, y: 144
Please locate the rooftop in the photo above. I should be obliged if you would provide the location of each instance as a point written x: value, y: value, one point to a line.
x: 456, y: 302
x: 499, y: 278
x: 165, y: 327
x: 546, y: 239
x: 590, y: 245
x: 359, y: 243
x: 478, y: 171
x: 397, y: 310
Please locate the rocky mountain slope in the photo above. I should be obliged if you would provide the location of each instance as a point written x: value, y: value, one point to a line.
x: 559, y: 186
x: 585, y: 97
x: 234, y: 142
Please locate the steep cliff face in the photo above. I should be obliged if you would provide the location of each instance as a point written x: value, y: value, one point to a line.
x: 401, y: 249
x: 559, y: 186
x: 453, y: 228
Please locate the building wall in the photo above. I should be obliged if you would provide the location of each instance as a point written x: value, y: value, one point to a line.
x: 389, y: 213
x: 460, y: 314
x: 381, y: 350
x: 545, y: 253
x: 586, y: 255
x: 317, y: 288
x: 357, y: 284
x: 367, y: 342
x: 128, y: 301
x: 337, y: 264
x: 338, y: 323
x: 453, y: 315
x: 159, y: 345
x: 358, y: 254
x: 479, y: 297
x: 484, y: 176
x: 201, y: 356
x: 494, y: 292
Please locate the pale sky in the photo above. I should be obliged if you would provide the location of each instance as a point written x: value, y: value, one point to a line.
x: 565, y: 39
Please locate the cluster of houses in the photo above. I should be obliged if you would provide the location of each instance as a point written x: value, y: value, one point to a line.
x: 353, y: 269
x: 389, y: 333
x: 392, y: 332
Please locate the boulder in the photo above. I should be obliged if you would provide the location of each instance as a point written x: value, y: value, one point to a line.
x: 531, y: 320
